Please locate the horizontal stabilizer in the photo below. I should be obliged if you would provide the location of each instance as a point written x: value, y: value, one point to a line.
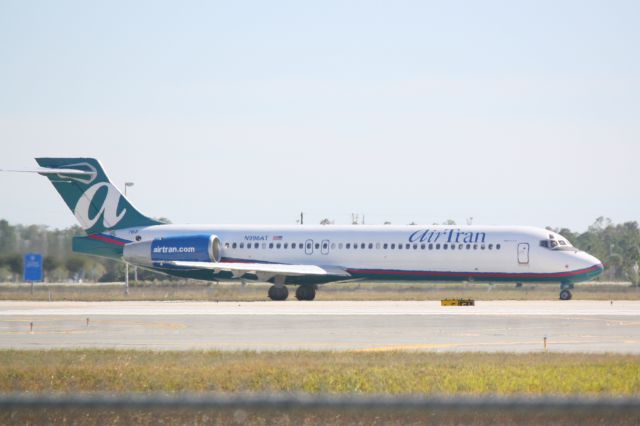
x: 50, y: 171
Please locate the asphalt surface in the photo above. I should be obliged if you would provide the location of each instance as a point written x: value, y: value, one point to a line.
x: 511, y: 326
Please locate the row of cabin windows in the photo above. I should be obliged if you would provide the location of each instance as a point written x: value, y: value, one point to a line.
x: 362, y: 246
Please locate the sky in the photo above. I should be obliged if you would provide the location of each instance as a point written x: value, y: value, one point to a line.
x: 244, y: 112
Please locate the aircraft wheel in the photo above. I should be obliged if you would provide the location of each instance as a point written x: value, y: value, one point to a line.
x: 304, y: 292
x: 565, y: 295
x: 278, y: 292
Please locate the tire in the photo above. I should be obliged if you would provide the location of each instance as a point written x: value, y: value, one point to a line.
x: 278, y: 293
x: 565, y: 295
x: 305, y: 293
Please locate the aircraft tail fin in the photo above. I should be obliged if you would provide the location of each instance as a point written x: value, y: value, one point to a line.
x: 96, y: 203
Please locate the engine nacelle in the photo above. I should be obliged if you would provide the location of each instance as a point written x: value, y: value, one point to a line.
x: 188, y: 248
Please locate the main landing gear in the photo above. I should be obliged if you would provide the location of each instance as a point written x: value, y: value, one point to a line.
x: 305, y: 292
x: 565, y: 294
x: 278, y: 292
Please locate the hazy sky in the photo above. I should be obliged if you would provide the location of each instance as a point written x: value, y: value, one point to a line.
x: 510, y: 112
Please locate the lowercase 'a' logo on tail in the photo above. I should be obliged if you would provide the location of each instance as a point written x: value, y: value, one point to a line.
x: 109, y: 209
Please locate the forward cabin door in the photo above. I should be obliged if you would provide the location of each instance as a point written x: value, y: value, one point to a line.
x: 523, y: 253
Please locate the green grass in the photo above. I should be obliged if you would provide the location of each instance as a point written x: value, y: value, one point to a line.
x: 203, y: 291
x: 319, y: 372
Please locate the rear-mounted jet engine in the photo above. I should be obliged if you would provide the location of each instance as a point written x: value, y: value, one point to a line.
x: 192, y: 248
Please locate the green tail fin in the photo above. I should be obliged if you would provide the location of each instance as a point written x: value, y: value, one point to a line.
x: 97, y: 204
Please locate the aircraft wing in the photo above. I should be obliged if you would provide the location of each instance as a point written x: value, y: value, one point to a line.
x: 264, y: 271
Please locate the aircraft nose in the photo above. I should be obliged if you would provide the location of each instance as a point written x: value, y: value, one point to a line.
x: 595, y: 264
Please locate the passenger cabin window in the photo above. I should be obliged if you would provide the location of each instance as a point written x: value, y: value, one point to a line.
x: 385, y: 246
x: 393, y: 246
x: 270, y: 245
x: 255, y: 245
x: 348, y: 245
x: 234, y: 245
x: 293, y: 245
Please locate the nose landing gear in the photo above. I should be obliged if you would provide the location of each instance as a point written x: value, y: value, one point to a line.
x: 565, y: 294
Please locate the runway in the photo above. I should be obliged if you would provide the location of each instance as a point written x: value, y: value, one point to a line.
x: 512, y: 326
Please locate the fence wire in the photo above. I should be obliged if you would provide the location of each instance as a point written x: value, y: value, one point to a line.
x: 281, y: 402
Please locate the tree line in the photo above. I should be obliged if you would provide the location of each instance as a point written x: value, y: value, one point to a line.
x: 617, y: 245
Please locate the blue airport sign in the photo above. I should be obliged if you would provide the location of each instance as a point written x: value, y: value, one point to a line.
x: 33, y: 267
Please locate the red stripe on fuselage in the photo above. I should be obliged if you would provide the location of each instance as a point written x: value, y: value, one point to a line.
x: 106, y: 239
x: 476, y: 274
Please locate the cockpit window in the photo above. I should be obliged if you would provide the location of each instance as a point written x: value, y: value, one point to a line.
x: 556, y: 244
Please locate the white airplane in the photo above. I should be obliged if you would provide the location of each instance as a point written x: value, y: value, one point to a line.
x: 307, y: 256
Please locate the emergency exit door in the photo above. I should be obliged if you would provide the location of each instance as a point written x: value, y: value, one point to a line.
x: 523, y: 253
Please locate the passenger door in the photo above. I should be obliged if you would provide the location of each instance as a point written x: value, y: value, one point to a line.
x: 523, y: 253
x: 308, y: 247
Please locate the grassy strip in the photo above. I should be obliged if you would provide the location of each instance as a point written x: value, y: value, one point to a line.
x: 202, y: 291
x: 327, y: 372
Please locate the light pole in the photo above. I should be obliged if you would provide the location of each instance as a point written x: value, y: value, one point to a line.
x: 126, y: 265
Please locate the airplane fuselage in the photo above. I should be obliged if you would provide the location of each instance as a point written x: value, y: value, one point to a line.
x: 437, y: 252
